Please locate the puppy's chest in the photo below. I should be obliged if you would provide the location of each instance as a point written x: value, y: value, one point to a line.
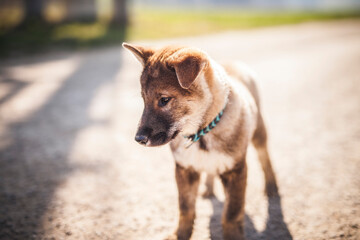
x: 210, y: 160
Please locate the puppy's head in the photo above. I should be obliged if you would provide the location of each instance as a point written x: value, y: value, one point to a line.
x: 174, y: 91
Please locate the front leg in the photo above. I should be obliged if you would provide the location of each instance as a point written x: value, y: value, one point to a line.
x: 187, y: 181
x: 234, y: 182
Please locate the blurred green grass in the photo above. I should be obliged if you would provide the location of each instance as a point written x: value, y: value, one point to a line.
x: 150, y: 23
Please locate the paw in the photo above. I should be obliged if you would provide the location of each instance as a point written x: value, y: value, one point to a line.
x: 271, y: 190
x: 179, y: 235
x: 233, y: 231
x: 184, y: 234
x: 208, y: 194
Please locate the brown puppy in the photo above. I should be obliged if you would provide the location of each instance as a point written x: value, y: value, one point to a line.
x: 209, y: 113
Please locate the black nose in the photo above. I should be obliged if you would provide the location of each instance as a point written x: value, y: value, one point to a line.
x: 142, y: 139
x: 143, y: 135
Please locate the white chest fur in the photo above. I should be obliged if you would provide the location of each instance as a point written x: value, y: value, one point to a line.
x: 212, y: 161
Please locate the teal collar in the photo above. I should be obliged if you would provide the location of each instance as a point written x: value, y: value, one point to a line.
x: 196, y: 137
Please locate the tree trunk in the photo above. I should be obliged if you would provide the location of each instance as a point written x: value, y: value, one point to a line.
x: 81, y: 10
x: 33, y: 11
x: 120, y: 17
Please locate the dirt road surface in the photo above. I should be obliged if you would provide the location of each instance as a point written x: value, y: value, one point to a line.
x: 70, y: 169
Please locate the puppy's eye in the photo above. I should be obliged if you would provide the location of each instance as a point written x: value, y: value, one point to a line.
x: 163, y: 101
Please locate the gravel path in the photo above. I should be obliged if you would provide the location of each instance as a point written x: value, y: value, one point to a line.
x: 70, y: 169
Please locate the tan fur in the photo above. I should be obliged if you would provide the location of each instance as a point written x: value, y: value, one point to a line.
x: 188, y: 181
x: 198, y: 88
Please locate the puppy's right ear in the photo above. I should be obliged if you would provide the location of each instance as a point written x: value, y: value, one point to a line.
x: 141, y: 53
x: 188, y: 64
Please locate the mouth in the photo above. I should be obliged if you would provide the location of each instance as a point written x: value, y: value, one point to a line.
x: 160, y: 139
x: 175, y: 134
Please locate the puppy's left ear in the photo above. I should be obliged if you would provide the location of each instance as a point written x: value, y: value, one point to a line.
x: 188, y: 64
x: 141, y: 53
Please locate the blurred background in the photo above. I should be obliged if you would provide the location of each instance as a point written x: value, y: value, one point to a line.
x: 70, y: 103
x: 33, y: 25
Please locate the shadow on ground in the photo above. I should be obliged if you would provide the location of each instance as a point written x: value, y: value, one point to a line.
x: 276, y: 228
x: 15, y: 87
x: 36, y: 159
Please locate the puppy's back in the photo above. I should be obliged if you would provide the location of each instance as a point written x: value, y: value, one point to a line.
x: 241, y: 72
